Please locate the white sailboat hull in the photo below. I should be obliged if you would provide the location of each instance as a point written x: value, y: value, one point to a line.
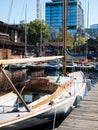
x: 41, y: 118
x: 60, y: 109
x: 61, y: 105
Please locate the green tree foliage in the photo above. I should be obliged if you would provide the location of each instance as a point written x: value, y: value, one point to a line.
x: 36, y: 29
x: 70, y: 39
x: 81, y: 40
x: 58, y: 37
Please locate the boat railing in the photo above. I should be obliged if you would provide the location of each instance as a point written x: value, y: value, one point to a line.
x: 5, y: 108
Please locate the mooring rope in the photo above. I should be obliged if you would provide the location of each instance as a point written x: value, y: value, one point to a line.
x: 54, y: 120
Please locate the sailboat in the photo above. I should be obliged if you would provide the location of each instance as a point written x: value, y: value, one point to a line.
x: 79, y: 56
x: 41, y: 99
x: 35, y: 102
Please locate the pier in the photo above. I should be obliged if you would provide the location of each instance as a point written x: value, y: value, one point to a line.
x: 84, y: 117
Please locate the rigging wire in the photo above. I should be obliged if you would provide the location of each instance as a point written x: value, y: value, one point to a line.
x: 59, y: 21
x: 54, y: 120
x: 8, y: 19
x: 10, y: 12
x: 23, y: 8
x: 26, y: 31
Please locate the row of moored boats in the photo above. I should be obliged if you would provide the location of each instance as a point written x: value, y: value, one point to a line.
x: 54, y: 65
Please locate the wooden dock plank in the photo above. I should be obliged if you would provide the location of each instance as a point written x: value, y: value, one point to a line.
x: 84, y: 117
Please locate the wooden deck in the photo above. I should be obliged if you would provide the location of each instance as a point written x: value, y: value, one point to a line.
x: 84, y: 117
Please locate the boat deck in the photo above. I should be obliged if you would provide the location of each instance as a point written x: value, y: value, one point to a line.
x: 10, y: 113
x: 10, y: 116
x: 84, y: 117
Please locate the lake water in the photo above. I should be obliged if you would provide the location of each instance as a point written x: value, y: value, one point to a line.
x: 23, y: 75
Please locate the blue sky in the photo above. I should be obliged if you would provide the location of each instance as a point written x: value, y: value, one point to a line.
x: 17, y: 12
x: 93, y: 9
x: 18, y: 9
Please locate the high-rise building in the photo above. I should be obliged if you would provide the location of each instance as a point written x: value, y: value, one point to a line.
x: 94, y: 26
x: 54, y: 15
x: 92, y: 31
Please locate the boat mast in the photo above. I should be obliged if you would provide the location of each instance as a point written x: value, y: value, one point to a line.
x: 26, y: 31
x: 65, y: 4
x: 87, y: 27
x: 39, y: 17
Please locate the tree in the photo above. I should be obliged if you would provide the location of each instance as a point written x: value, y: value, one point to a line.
x: 52, y: 34
x: 58, y: 37
x: 83, y: 40
x: 70, y: 39
x: 36, y: 29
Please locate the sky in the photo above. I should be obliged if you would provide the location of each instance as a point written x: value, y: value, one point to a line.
x: 13, y: 11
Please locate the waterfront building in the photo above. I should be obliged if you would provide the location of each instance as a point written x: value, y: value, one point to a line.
x: 12, y: 41
x: 92, y: 31
x: 92, y: 46
x: 54, y: 16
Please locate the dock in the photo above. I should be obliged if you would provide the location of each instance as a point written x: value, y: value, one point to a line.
x: 84, y: 117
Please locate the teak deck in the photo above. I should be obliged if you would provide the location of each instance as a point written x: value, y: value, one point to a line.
x: 84, y: 117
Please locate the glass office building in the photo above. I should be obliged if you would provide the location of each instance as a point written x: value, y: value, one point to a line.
x: 54, y: 15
